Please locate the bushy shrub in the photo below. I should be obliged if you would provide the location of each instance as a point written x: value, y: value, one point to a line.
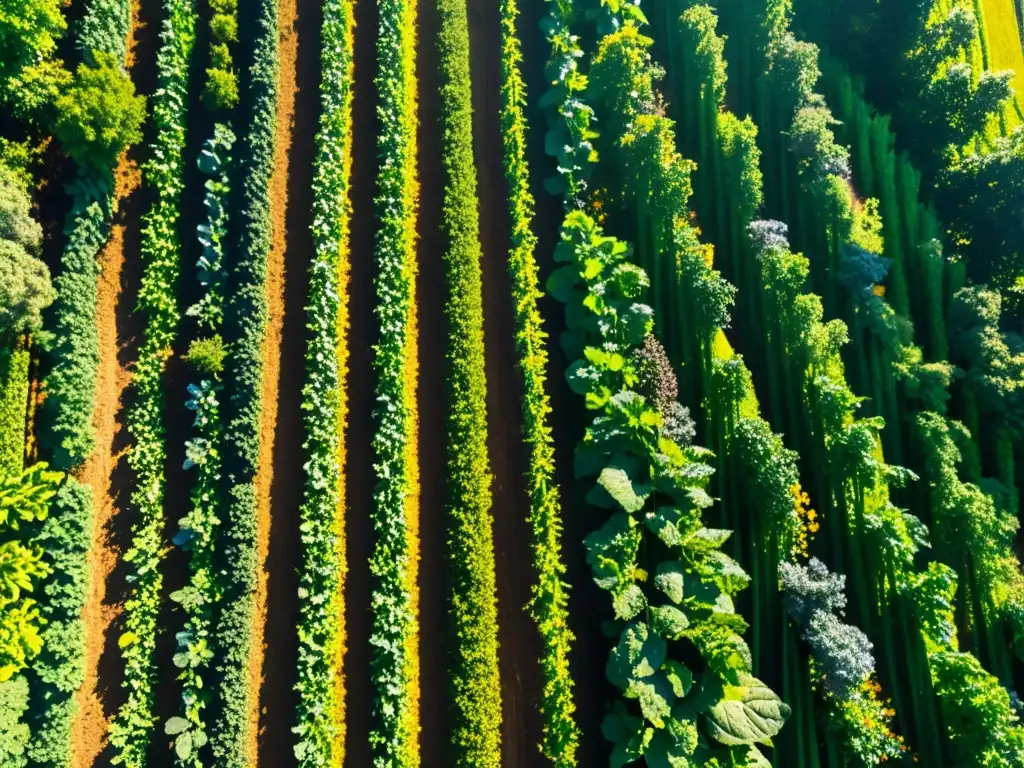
x: 207, y: 354
x: 221, y: 89
x: 59, y: 671
x: 100, y: 114
x: 14, y: 732
x: 25, y: 291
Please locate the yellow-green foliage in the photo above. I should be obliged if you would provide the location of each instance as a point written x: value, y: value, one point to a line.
x: 321, y: 708
x: 550, y: 594
x: 474, y: 675
x: 394, y: 733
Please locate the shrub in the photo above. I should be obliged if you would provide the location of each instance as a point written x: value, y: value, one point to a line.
x: 221, y: 90
x: 207, y: 355
x: 59, y: 671
x: 14, y: 733
x: 100, y: 115
x: 25, y: 291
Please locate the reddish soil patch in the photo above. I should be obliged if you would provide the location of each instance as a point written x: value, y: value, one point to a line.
x: 120, y: 332
x: 363, y: 333
x: 520, y: 645
x: 431, y: 290
x: 279, y: 188
x: 280, y: 479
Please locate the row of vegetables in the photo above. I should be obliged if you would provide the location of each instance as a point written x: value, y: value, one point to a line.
x: 550, y: 603
x: 65, y: 426
x: 656, y: 552
x: 394, y: 735
x: 774, y: 276
x: 320, y: 729
x: 472, y: 597
x: 132, y: 730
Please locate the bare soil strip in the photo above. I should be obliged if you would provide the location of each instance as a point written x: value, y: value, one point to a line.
x: 271, y: 712
x: 120, y: 332
x: 430, y: 295
x: 520, y: 645
x: 359, y: 476
x: 298, y: 111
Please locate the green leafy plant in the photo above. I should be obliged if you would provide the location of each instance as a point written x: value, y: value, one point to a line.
x: 549, y: 606
x: 100, y: 114
x: 668, y: 578
x: 320, y: 730
x: 132, y: 729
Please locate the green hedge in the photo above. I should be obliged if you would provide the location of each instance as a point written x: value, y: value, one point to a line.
x: 473, y: 610
x: 67, y: 412
x: 245, y: 320
x: 59, y: 671
x: 550, y: 604
x: 321, y: 726
x: 393, y: 621
x: 132, y: 729
x: 14, y: 384
x: 66, y: 428
x: 105, y: 27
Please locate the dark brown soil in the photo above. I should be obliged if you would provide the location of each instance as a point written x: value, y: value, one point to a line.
x: 520, y: 645
x: 362, y: 335
x: 300, y: 70
x: 431, y: 291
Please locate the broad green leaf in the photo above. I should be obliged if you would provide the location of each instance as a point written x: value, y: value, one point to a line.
x: 629, y: 602
x: 748, y: 714
x: 562, y: 281
x: 669, y: 579
x: 639, y: 654
x: 616, y: 483
x: 183, y: 746
x: 668, y: 621
x: 678, y: 676
x: 176, y: 725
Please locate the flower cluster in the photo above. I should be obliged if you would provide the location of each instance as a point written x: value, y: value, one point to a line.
x: 866, y: 722
x: 808, y: 518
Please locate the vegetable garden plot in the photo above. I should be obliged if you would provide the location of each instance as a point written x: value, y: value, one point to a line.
x: 793, y: 352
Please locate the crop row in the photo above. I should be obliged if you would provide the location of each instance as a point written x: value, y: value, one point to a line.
x: 550, y: 605
x: 654, y: 491
x: 472, y: 599
x: 321, y: 684
x: 394, y: 735
x: 66, y: 427
x: 131, y: 731
x: 245, y: 319
x: 197, y: 532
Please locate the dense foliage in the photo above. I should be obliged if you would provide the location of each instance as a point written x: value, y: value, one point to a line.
x: 550, y: 592
x: 395, y: 733
x: 321, y: 712
x: 245, y: 319
x: 472, y: 595
x: 161, y: 250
